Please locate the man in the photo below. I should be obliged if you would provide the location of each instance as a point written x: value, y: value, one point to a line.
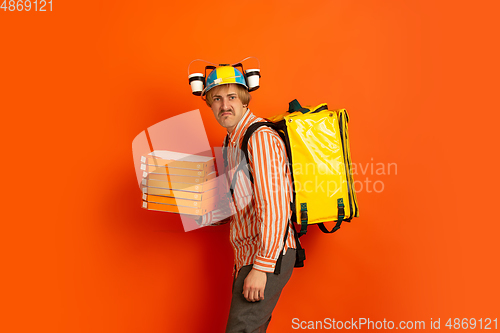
x: 258, y: 226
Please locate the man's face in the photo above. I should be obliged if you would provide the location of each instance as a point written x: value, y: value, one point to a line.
x: 227, y: 107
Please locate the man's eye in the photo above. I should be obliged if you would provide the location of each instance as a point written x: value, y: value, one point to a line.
x: 216, y: 98
x: 232, y: 97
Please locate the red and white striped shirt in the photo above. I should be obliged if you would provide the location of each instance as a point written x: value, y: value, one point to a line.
x: 259, y: 220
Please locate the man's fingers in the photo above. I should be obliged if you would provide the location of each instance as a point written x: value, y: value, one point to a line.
x: 249, y: 294
x: 256, y: 295
x: 245, y: 293
x: 253, y: 294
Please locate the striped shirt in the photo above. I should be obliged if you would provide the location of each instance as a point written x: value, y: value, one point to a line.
x: 259, y: 220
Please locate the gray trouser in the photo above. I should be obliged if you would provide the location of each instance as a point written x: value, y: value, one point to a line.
x: 248, y: 317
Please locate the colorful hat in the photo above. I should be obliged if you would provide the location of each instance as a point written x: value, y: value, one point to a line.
x: 224, y: 75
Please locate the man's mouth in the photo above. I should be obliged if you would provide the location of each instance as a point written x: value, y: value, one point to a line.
x: 225, y: 113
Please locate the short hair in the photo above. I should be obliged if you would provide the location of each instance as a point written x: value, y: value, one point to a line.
x: 242, y: 92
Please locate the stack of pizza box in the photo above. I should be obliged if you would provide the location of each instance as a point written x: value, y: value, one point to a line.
x: 178, y: 183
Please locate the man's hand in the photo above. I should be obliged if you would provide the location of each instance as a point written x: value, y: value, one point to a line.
x: 254, y: 285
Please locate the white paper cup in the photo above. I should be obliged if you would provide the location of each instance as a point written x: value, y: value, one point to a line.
x: 253, y: 76
x: 196, y: 81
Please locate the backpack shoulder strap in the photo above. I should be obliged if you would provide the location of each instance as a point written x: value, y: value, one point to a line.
x: 246, y: 138
x: 244, y: 147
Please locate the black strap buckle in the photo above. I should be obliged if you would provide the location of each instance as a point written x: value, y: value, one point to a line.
x: 303, y: 216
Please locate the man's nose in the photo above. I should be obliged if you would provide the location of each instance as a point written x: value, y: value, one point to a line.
x: 225, y: 103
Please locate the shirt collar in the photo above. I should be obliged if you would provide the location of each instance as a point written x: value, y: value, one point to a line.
x: 241, y: 125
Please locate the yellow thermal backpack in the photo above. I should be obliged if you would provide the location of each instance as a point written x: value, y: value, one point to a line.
x: 317, y: 144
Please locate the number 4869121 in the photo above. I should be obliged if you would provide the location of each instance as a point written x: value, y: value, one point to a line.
x: 471, y: 323
x: 26, y: 5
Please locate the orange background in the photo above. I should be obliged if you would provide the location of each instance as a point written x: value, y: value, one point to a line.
x: 419, y: 79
